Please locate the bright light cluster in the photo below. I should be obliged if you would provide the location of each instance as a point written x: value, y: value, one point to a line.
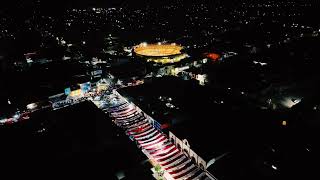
x: 168, y: 60
x: 157, y: 50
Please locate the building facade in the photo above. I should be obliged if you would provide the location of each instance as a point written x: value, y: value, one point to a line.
x: 184, y: 147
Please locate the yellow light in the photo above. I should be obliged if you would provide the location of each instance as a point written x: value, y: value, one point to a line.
x: 75, y: 93
x: 284, y: 123
x: 152, y: 162
x: 157, y: 49
x: 144, y: 44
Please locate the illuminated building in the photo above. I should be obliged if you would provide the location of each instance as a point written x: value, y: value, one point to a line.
x: 160, y: 53
x: 212, y: 56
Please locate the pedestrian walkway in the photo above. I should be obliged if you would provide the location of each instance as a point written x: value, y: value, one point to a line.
x: 153, y: 142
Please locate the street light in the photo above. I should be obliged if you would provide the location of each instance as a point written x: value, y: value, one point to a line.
x: 31, y: 106
x: 274, y: 167
x: 16, y: 116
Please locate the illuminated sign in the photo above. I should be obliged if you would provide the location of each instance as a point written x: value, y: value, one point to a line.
x: 85, y: 87
x: 75, y: 93
x: 97, y: 72
x: 67, y: 91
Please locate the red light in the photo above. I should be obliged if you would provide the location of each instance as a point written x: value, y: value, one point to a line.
x: 212, y: 56
x: 164, y: 126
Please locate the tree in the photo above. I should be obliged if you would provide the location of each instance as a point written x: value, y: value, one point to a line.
x: 159, y: 171
x: 157, y: 168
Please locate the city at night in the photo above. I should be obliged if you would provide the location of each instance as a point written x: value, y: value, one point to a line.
x: 160, y: 90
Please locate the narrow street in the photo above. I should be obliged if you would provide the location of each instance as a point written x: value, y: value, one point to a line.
x: 155, y: 144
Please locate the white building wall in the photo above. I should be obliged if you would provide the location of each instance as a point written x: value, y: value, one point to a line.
x: 185, y: 147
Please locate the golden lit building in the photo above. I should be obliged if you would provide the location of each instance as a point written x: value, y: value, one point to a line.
x: 160, y: 53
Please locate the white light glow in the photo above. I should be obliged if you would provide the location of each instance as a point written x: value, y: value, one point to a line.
x: 274, y: 167
x: 31, y: 106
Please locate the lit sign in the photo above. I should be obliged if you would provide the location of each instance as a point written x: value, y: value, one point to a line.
x: 67, y: 91
x: 85, y: 87
x: 76, y: 93
x: 97, y: 72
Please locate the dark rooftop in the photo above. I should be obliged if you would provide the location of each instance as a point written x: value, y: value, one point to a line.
x: 81, y: 137
x: 212, y: 131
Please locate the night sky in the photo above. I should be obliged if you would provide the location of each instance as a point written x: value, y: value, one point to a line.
x: 105, y: 3
x: 50, y: 4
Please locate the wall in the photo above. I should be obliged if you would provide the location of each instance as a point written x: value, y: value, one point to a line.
x: 186, y: 149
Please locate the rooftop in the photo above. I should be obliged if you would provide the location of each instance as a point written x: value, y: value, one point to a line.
x: 212, y: 130
x: 81, y: 137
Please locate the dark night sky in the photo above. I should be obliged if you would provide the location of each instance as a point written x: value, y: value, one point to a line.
x: 62, y: 3
x: 107, y: 3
